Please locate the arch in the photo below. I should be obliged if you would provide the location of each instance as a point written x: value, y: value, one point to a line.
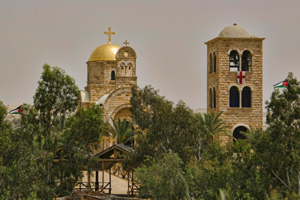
x: 214, y: 97
x: 246, y: 97
x: 246, y: 61
x: 116, y: 92
x: 113, y: 75
x: 234, y: 97
x: 237, y: 135
x: 211, y: 63
x: 215, y: 62
x: 234, y: 61
x: 210, y: 98
x: 116, y: 110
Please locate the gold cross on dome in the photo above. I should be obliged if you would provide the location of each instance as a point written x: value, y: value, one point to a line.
x: 109, y: 33
x: 125, y: 42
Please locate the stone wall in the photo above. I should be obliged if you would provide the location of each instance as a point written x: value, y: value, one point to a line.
x: 223, y: 79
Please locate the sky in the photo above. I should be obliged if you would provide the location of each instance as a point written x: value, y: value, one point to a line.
x: 167, y: 35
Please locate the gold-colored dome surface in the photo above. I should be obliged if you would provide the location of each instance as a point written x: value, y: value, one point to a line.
x: 105, y: 52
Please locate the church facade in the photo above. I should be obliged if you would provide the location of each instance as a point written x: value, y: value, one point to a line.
x: 235, y: 79
x: 111, y: 72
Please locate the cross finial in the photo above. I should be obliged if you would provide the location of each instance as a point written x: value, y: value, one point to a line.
x: 125, y: 42
x: 109, y: 33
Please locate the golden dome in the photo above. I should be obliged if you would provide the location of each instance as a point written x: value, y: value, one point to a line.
x: 105, y: 52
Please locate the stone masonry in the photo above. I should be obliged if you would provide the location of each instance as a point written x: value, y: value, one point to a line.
x: 223, y: 79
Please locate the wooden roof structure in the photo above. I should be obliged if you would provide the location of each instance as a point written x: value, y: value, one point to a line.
x: 110, y: 156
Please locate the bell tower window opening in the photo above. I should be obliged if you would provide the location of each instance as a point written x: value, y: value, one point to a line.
x: 112, y: 75
x: 215, y: 62
x: 214, y: 99
x: 234, y: 97
x: 234, y: 61
x: 210, y: 98
x: 211, y: 63
x: 246, y: 61
x: 246, y: 97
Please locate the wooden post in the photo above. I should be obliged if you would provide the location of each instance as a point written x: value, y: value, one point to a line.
x: 109, y: 180
x: 89, y: 180
x: 132, y: 182
x: 128, y: 192
x: 103, y: 174
x: 96, y: 181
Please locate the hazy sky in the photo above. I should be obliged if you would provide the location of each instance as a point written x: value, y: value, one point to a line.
x: 168, y: 37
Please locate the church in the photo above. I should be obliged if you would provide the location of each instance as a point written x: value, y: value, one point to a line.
x: 234, y: 80
x: 111, y: 72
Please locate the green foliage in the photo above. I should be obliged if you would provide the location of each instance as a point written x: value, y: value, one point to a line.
x: 81, y: 137
x: 280, y: 147
x: 212, y: 125
x: 84, y: 129
x: 56, y: 97
x: 122, y: 131
x: 164, y: 179
x: 164, y: 127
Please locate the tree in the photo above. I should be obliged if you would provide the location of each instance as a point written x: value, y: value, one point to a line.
x: 280, y: 149
x: 122, y: 131
x: 20, y: 173
x: 56, y: 97
x: 163, y: 179
x: 80, y: 139
x: 212, y: 125
x: 164, y: 127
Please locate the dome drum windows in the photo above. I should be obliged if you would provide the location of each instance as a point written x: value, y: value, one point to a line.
x: 113, y: 75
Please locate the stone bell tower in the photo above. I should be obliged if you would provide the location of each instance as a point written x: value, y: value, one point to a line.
x: 235, y: 79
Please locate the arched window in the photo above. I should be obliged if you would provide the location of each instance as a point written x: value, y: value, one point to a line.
x: 246, y: 97
x: 246, y: 61
x: 112, y: 75
x: 215, y: 63
x: 234, y: 61
x: 214, y: 94
x: 237, y: 135
x: 211, y: 63
x: 234, y: 97
x: 210, y: 98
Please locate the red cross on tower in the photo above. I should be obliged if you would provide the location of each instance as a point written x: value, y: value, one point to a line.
x: 241, y: 77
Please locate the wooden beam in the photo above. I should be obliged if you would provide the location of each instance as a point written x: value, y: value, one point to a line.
x: 111, y: 160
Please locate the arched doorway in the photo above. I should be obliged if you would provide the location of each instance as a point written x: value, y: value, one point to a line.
x: 237, y: 133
